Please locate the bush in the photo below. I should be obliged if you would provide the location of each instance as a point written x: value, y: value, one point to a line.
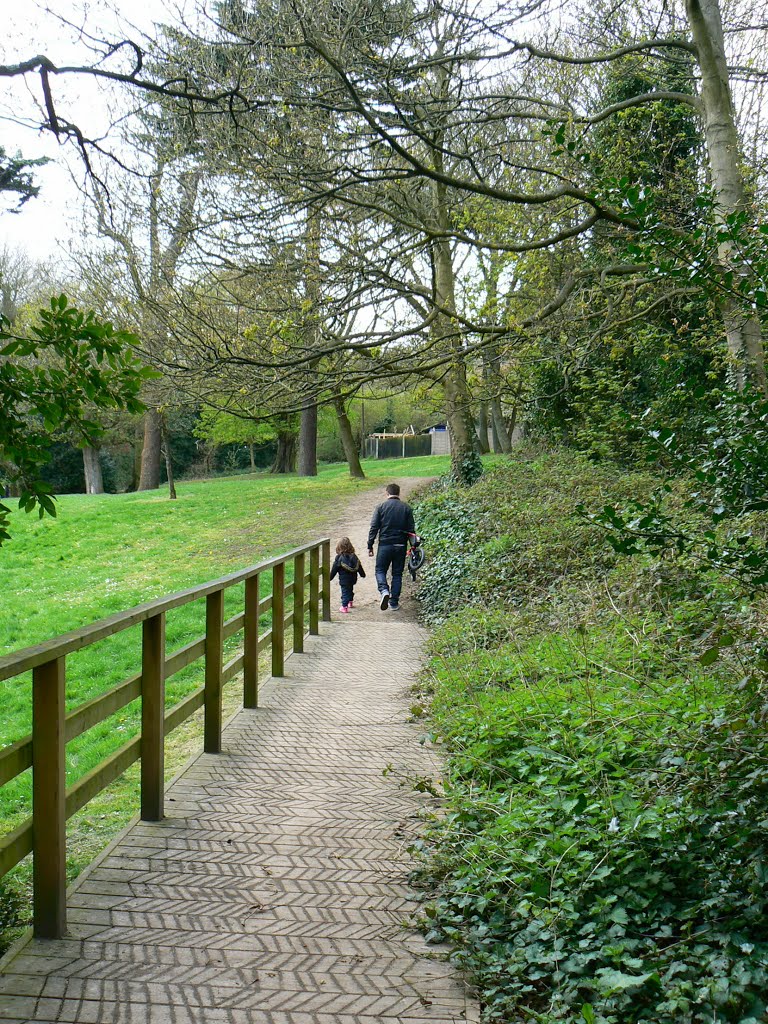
x: 14, y: 904
x: 606, y: 836
x: 64, y: 471
x: 602, y: 856
x: 516, y: 533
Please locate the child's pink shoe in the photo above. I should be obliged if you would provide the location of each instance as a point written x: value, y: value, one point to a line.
x: 350, y: 605
x: 344, y: 609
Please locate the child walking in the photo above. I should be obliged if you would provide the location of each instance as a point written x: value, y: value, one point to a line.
x: 348, y: 567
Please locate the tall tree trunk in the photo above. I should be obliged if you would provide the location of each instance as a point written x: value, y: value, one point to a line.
x: 308, y: 442
x: 136, y: 460
x: 495, y: 439
x: 250, y: 455
x: 491, y: 357
x: 482, y: 427
x: 166, y: 445
x: 94, y: 482
x: 511, y: 424
x: 465, y: 462
x: 308, y: 429
x: 501, y: 432
x: 285, y: 457
x: 742, y: 329
x: 501, y: 438
x: 348, y: 440
x: 149, y: 479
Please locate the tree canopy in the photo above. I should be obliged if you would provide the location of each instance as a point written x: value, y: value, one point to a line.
x: 489, y: 203
x: 55, y: 378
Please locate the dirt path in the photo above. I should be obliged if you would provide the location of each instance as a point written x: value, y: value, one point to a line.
x: 353, y: 522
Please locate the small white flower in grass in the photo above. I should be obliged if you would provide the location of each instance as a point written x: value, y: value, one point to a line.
x: 746, y: 947
x: 613, y: 825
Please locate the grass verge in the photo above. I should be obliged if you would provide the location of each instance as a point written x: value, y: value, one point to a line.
x: 603, y: 855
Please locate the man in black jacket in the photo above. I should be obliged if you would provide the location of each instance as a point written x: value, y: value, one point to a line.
x: 393, y: 522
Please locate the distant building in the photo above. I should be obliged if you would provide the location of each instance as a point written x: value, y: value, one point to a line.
x: 441, y: 439
x: 397, y: 446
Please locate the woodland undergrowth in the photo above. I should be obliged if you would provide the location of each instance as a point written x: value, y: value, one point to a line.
x: 604, y: 851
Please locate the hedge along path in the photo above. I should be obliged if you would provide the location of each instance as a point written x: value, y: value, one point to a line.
x: 275, y: 891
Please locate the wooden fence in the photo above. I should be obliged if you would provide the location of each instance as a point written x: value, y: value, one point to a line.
x: 44, y: 834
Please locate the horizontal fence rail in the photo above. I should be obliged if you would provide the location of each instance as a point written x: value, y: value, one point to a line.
x: 44, y: 751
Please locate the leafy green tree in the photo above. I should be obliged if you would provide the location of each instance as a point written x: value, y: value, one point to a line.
x: 52, y: 377
x: 727, y: 474
x: 16, y: 178
x: 217, y: 426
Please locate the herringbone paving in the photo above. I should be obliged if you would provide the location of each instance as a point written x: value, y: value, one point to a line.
x: 275, y: 891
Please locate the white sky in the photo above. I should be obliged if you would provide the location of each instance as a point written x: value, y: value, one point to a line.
x: 45, y: 226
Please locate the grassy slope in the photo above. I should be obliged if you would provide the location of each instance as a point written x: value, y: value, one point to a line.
x: 107, y: 553
x: 605, y: 840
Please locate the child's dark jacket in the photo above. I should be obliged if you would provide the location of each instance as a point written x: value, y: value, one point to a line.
x: 348, y: 568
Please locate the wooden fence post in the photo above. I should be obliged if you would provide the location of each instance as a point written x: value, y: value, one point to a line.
x: 152, y: 718
x: 214, y: 656
x: 326, y: 584
x: 278, y: 620
x: 251, y: 644
x: 49, y: 800
x: 314, y: 591
x: 299, y: 571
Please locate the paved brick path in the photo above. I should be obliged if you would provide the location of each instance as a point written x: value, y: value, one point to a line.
x: 275, y: 891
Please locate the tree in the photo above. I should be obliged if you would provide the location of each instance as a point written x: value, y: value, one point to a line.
x: 724, y: 149
x: 150, y: 221
x: 631, y: 342
x: 94, y: 481
x: 16, y: 179
x: 23, y: 285
x: 18, y: 276
x: 224, y: 426
x: 572, y: 204
x: 412, y: 129
x: 278, y: 207
x: 50, y: 377
x: 286, y: 429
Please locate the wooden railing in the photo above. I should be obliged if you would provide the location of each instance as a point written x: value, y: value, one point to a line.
x: 44, y: 834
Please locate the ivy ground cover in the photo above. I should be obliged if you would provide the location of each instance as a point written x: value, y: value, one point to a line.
x: 603, y: 855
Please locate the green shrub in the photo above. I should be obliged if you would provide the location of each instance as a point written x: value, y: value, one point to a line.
x: 516, y: 533
x: 14, y: 910
x: 444, y: 519
x: 604, y: 850
x: 606, y: 839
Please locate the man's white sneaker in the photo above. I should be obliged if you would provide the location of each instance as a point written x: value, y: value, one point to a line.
x: 384, y: 601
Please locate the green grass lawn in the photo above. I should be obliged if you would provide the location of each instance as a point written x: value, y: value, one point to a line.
x: 108, y: 552
x: 104, y: 554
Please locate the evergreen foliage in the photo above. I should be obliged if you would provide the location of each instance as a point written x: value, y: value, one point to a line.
x: 16, y: 177
x: 53, y: 378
